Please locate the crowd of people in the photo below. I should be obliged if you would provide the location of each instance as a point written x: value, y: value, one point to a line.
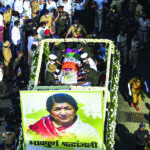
x: 24, y: 23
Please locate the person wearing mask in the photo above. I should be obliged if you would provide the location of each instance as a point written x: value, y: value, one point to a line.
x: 35, y: 10
x: 136, y: 93
x: 77, y: 30
x: 32, y: 40
x: 7, y: 18
x: 68, y: 7
x: 143, y: 30
x: 62, y: 22
x: 141, y: 135
x: 48, y: 19
x: 16, y: 38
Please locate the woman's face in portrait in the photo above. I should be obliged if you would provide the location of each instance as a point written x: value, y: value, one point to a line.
x: 63, y: 113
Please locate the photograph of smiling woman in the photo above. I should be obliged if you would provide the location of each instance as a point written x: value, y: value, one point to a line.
x: 63, y: 121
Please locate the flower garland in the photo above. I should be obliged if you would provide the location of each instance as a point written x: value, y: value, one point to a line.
x: 113, y: 104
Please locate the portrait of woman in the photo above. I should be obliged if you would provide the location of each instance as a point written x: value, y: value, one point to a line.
x: 63, y: 120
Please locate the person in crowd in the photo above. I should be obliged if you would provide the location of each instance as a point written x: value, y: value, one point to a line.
x: 78, y: 9
x: 62, y: 106
x: 31, y: 40
x: 84, y: 49
x: 50, y: 4
x: 141, y: 135
x: 1, y: 31
x: 7, y: 18
x: 91, y: 76
x: 18, y: 68
x: 136, y: 93
x: 98, y: 4
x: 16, y: 38
x: 77, y: 30
x: 143, y: 30
x: 18, y: 6
x: 48, y: 19
x: 27, y: 9
x: 2, y: 83
x: 134, y: 52
x: 68, y: 7
x: 88, y: 60
x: 47, y: 34
x: 7, y: 59
x: 35, y: 10
x: 9, y: 138
x: 122, y: 45
x: 62, y: 22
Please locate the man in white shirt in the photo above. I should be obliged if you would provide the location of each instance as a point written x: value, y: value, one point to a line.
x: 16, y: 38
x: 88, y: 60
x: 78, y: 9
x: 1, y: 31
x: 18, y: 6
x: 98, y: 4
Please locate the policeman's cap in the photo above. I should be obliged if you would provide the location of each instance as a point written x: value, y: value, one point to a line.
x: 7, y: 128
x: 19, y: 52
x: 6, y: 44
x: 142, y: 126
x: 29, y: 21
x: 84, y: 55
x: 8, y: 6
x: 76, y: 20
x: 60, y: 7
x: 52, y: 56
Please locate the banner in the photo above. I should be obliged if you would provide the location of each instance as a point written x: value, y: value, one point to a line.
x: 61, y: 120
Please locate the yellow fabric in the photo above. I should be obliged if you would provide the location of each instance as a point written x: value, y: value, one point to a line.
x: 49, y: 20
x: 35, y: 6
x: 7, y: 16
x: 78, y: 31
x: 7, y: 55
x: 6, y: 43
x: 136, y: 90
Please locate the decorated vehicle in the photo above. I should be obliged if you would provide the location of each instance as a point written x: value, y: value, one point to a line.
x: 87, y: 116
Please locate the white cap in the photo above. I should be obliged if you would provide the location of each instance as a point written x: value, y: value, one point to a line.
x: 84, y: 55
x: 52, y: 56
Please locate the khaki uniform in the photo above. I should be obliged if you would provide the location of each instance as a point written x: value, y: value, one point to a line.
x: 7, y: 18
x: 136, y: 90
x: 7, y: 59
x: 35, y: 11
x: 48, y: 21
x: 133, y: 54
x: 138, y: 11
x: 9, y: 140
x: 118, y: 3
x: 76, y: 32
x: 123, y: 46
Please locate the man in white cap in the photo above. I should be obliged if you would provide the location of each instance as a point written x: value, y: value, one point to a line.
x: 88, y: 60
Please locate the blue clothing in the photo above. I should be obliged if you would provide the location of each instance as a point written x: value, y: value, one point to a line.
x: 102, y: 56
x: 7, y: 2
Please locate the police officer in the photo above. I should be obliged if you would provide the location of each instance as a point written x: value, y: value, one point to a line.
x: 7, y: 18
x: 48, y: 19
x: 7, y: 59
x: 77, y: 30
x: 62, y: 20
x: 140, y: 137
x: 84, y: 49
x: 137, y: 83
x: 91, y: 76
x: 133, y: 54
x: 9, y: 138
x: 35, y: 10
